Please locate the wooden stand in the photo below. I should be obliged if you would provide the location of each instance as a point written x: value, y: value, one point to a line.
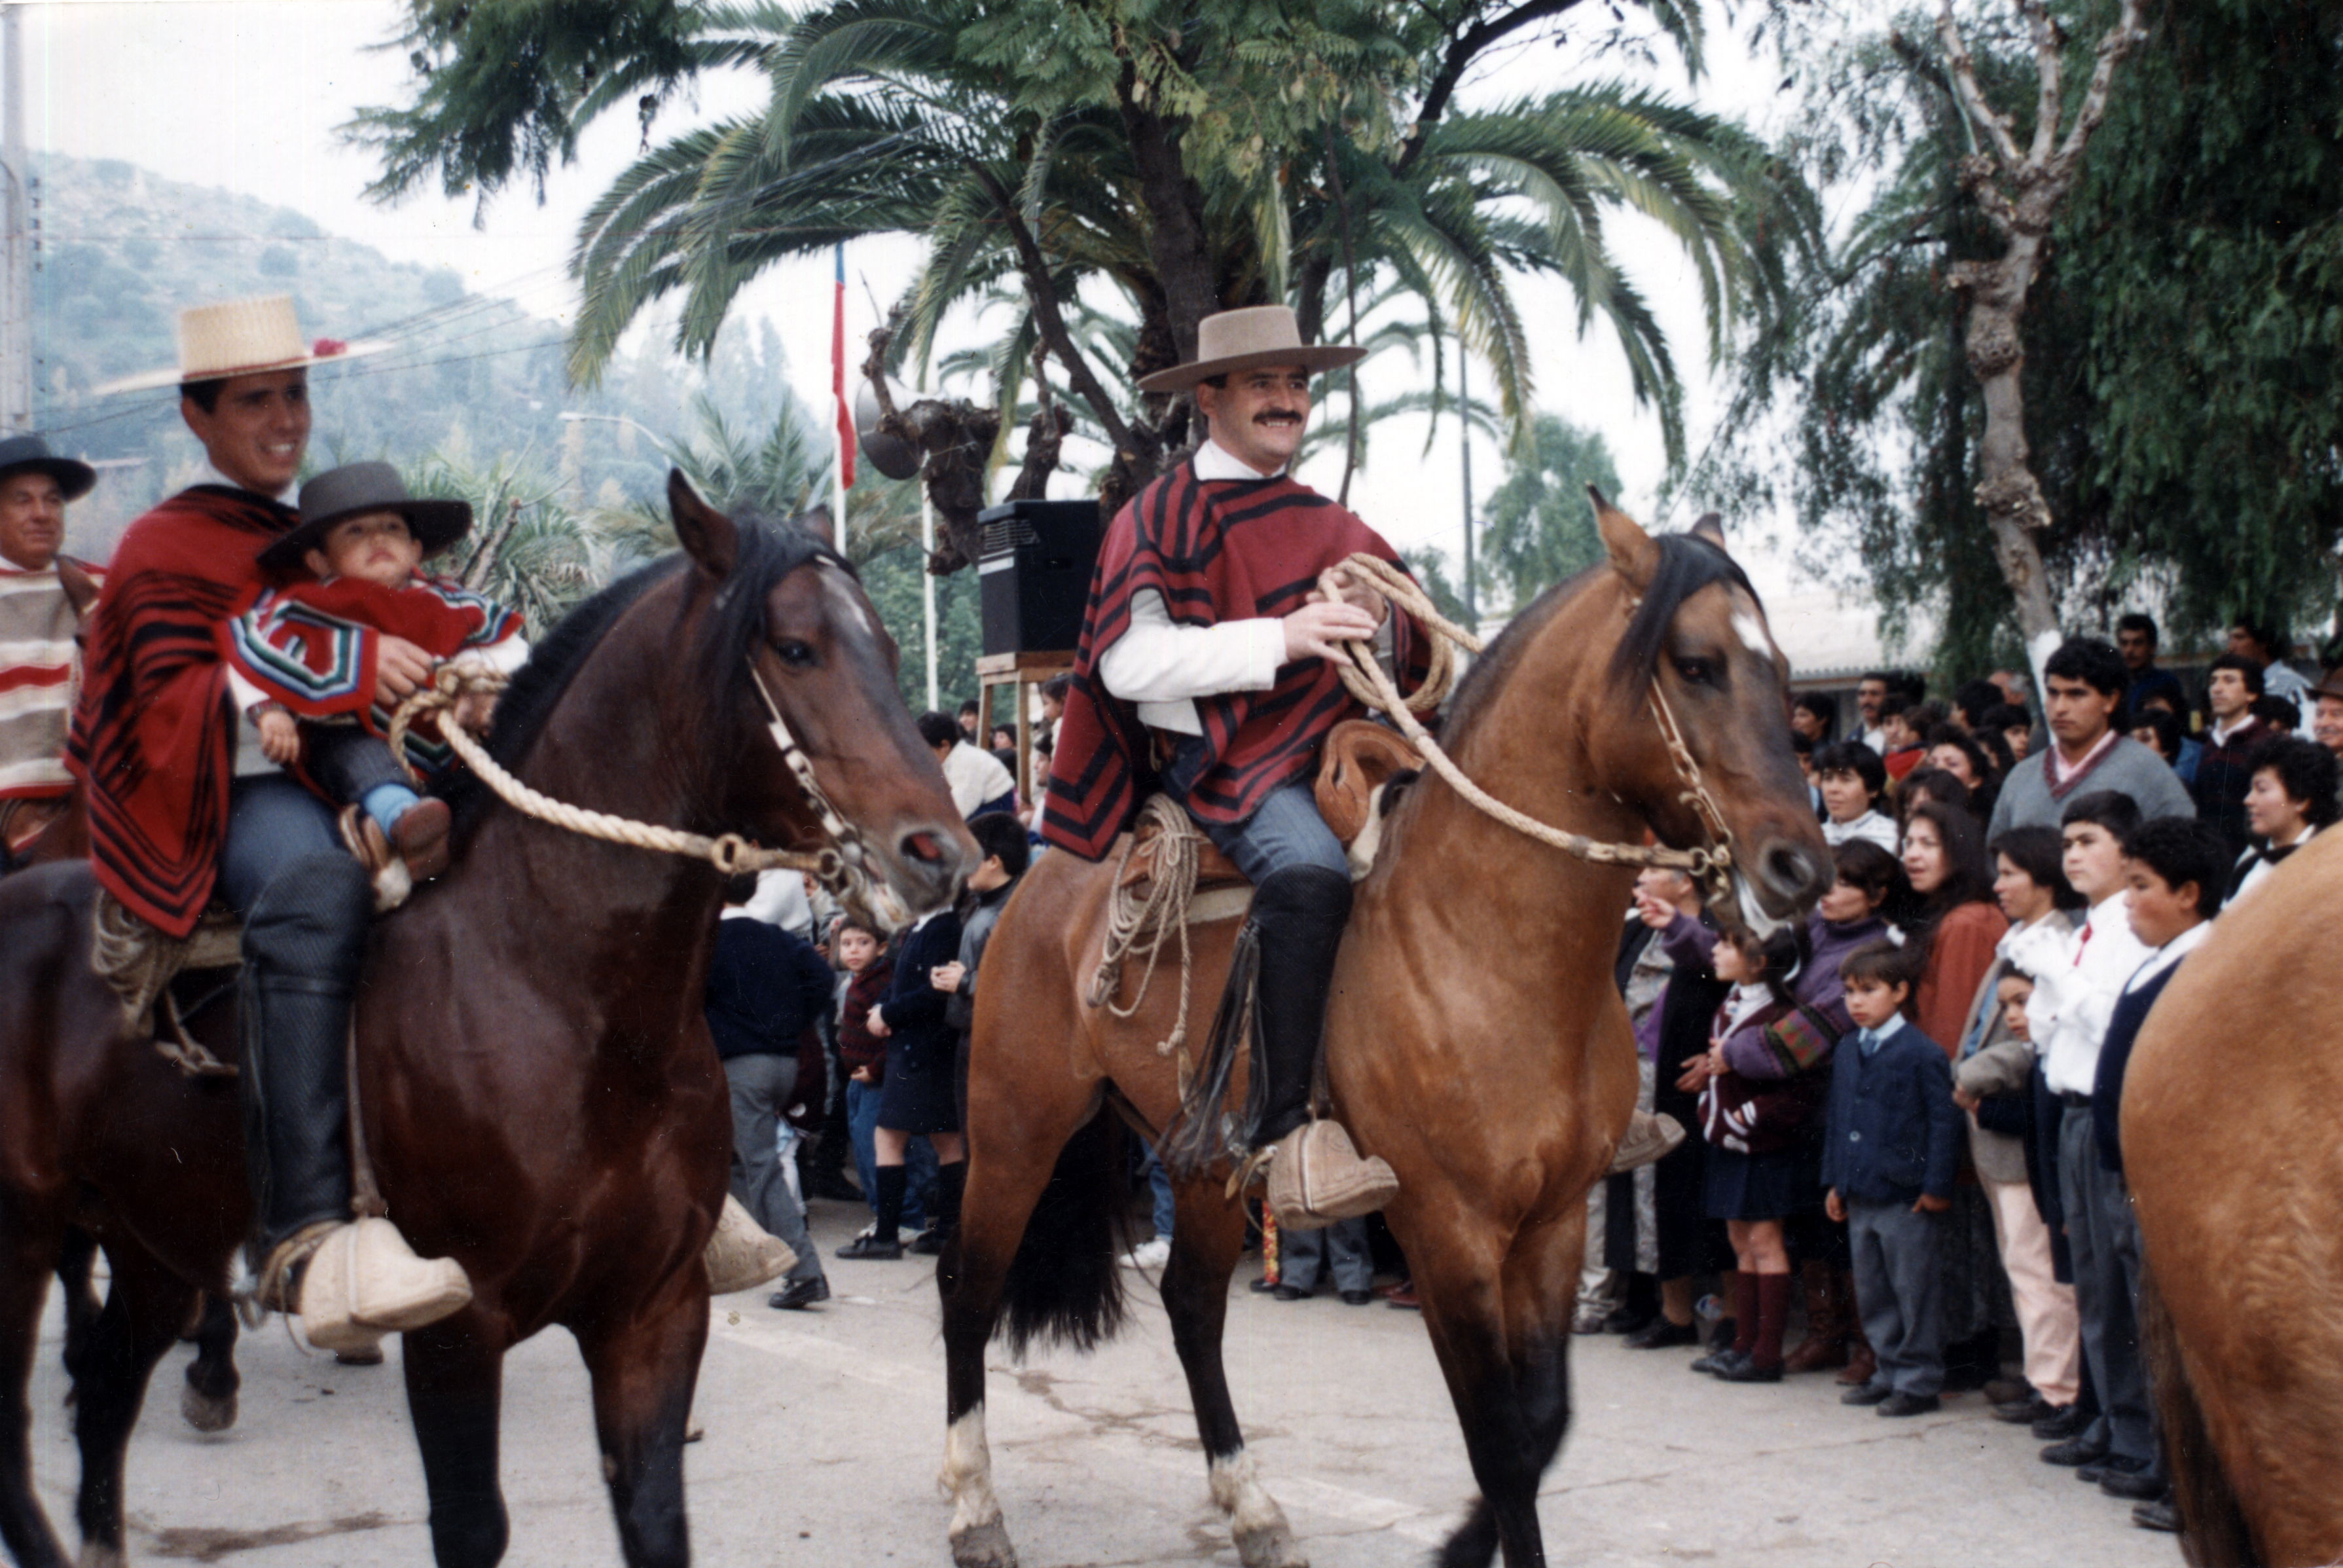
x: 1017, y: 671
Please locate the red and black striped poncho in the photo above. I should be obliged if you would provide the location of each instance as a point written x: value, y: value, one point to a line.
x: 153, y: 736
x: 1216, y: 550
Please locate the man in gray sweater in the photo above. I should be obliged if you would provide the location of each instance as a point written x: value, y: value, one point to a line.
x: 2085, y: 680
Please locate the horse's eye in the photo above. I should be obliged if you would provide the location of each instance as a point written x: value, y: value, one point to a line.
x: 1696, y: 671
x: 794, y: 654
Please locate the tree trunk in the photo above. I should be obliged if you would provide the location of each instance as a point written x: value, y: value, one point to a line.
x: 2006, y: 489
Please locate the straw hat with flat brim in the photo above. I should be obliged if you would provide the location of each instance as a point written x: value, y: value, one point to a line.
x: 18, y: 452
x: 355, y: 490
x: 1257, y: 338
x: 241, y: 338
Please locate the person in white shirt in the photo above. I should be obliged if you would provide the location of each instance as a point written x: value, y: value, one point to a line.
x: 978, y: 781
x: 2078, y: 982
x: 1869, y: 693
x: 2292, y: 797
x: 1853, y: 781
x: 2265, y: 643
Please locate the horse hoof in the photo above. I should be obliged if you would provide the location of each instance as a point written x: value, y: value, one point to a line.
x: 1271, y: 1548
x: 204, y: 1412
x: 983, y: 1546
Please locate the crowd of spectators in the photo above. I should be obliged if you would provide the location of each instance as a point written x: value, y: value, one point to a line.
x: 1908, y: 1106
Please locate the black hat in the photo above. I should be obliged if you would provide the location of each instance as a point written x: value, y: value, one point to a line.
x: 355, y: 489
x: 30, y: 452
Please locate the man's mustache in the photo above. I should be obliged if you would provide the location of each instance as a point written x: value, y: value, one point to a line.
x: 1277, y: 416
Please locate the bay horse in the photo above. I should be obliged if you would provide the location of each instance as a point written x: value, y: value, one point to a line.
x: 536, y: 1082
x: 2236, y: 1170
x: 1475, y: 1038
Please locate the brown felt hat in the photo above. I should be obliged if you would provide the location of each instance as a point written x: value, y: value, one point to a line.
x: 358, y: 488
x: 1253, y: 338
x: 2330, y: 684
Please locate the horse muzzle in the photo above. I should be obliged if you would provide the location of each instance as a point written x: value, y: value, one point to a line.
x: 1781, y: 882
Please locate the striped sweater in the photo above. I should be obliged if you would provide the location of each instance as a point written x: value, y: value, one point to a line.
x: 37, y: 681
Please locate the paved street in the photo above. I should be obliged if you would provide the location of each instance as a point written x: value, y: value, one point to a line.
x: 824, y: 1430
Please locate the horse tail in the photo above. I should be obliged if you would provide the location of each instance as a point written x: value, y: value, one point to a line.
x: 2218, y: 1536
x: 1064, y: 1286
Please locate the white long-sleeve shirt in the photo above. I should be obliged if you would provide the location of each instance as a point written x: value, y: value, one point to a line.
x: 2077, y: 980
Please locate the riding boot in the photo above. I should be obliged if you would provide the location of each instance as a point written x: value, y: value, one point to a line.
x: 350, y: 1282
x: 1316, y: 1176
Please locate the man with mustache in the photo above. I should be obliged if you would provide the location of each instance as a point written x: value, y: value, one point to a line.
x: 42, y: 595
x: 1207, y: 670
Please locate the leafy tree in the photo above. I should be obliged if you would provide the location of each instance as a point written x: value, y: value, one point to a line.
x: 1540, y: 528
x: 2183, y: 370
x: 1194, y: 157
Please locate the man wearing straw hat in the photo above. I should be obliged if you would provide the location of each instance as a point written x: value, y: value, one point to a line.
x: 42, y: 595
x: 185, y: 806
x: 1207, y: 669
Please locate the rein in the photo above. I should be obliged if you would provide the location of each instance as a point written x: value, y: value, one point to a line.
x: 837, y: 865
x: 1709, y: 866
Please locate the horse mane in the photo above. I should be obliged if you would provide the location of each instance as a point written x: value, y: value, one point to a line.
x: 766, y: 550
x: 1687, y: 564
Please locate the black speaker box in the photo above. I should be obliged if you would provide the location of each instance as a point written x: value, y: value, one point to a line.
x: 1033, y: 574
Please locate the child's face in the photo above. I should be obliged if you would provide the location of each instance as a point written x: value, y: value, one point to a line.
x: 1896, y: 733
x: 856, y: 949
x: 374, y: 546
x: 1872, y: 1004
x: 1847, y: 903
x: 2012, y: 993
x: 1731, y: 964
x: 2094, y: 860
x: 1844, y: 796
x: 2158, y: 910
x: 2017, y: 735
x: 990, y: 875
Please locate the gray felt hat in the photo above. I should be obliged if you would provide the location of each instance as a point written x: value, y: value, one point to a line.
x: 358, y: 488
x: 75, y: 478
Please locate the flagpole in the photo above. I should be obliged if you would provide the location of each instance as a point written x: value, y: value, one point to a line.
x: 928, y: 586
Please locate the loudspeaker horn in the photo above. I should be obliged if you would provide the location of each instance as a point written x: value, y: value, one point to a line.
x: 892, y: 456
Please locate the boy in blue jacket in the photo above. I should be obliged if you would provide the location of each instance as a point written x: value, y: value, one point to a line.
x: 1889, y: 1154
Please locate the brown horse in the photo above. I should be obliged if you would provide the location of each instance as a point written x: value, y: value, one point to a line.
x: 2236, y: 1175
x: 1475, y: 1039
x: 536, y: 1081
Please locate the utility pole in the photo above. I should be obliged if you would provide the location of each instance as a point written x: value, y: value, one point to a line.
x: 16, y: 314
x: 1464, y: 444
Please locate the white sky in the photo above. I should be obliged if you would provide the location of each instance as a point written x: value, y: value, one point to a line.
x: 248, y: 96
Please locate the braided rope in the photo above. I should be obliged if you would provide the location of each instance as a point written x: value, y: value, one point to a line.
x: 1365, y: 679
x: 727, y: 852
x: 1142, y: 923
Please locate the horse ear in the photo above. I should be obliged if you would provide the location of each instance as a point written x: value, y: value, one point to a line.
x: 1632, y: 550
x: 80, y: 591
x: 1709, y: 526
x: 705, y: 532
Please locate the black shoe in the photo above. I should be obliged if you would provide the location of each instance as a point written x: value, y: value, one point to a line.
x: 1722, y: 1336
x: 798, y: 1294
x: 2008, y: 1391
x: 1716, y: 1360
x: 1662, y: 1334
x: 2025, y: 1412
x: 1291, y: 1292
x: 2099, y: 1469
x: 929, y: 1242
x: 1629, y: 1321
x: 1358, y: 1298
x: 1910, y: 1404
x: 2075, y: 1451
x: 2157, y: 1515
x: 1261, y: 1287
x: 1745, y: 1368
x: 1867, y: 1393
x: 871, y: 1247
x: 2141, y: 1485
x: 2062, y: 1424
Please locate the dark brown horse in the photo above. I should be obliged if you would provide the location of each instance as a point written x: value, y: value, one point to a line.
x: 2236, y: 1170
x: 1475, y: 1038
x: 536, y: 1081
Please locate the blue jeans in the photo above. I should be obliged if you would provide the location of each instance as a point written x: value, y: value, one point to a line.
x: 1303, y: 1255
x: 272, y: 821
x: 918, y: 1159
x: 1286, y: 831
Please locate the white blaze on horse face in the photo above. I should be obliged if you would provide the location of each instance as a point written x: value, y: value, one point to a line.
x: 967, y: 1474
x: 847, y: 607
x: 1752, y: 628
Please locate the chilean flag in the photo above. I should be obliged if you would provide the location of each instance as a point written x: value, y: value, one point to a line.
x: 838, y: 375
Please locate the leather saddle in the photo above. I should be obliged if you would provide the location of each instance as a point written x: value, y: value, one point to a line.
x: 1360, y: 758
